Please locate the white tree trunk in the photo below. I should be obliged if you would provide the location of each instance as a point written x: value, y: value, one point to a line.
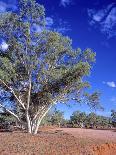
x: 28, y: 123
x: 27, y: 107
x: 36, y: 124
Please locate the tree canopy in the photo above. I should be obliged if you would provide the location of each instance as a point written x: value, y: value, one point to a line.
x: 40, y: 69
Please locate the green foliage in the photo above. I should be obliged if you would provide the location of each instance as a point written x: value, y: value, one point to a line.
x: 91, y: 120
x: 93, y: 100
x: 45, y: 58
x: 6, y: 118
x: 78, y: 118
x: 47, y: 120
x: 113, y: 116
x: 56, y: 117
x: 103, y: 121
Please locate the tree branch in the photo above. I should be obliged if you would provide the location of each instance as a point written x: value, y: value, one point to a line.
x: 40, y: 118
x: 27, y: 106
x: 38, y: 112
x: 10, y: 112
x: 12, y: 91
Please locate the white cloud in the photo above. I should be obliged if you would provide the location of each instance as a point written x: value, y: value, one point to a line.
x: 49, y: 24
x: 49, y: 21
x: 96, y: 16
x: 4, y: 46
x: 113, y: 99
x: 62, y: 29
x: 4, y: 6
x: 105, y: 19
x: 110, y: 84
x: 64, y: 3
x: 56, y: 24
x: 37, y: 28
x: 62, y: 26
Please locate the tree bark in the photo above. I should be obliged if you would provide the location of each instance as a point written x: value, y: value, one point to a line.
x: 13, y: 92
x: 28, y: 123
x: 27, y: 107
x: 38, y: 121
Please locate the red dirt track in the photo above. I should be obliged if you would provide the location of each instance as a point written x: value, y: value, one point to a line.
x: 68, y: 141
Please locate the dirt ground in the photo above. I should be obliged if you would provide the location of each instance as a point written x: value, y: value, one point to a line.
x: 100, y: 142
x: 92, y: 135
x: 63, y: 141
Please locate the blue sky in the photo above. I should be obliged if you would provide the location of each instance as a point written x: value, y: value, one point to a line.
x: 90, y: 24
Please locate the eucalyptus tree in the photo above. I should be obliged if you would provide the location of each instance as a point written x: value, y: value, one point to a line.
x: 92, y: 119
x: 113, y: 117
x: 78, y: 117
x: 39, y: 68
x: 57, y: 117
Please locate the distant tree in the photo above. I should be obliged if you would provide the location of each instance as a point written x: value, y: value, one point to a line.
x: 6, y: 118
x: 46, y: 120
x: 113, y: 116
x: 57, y: 117
x: 39, y: 69
x: 78, y: 118
x: 65, y: 122
x: 91, y: 119
x: 102, y: 121
x: 54, y: 117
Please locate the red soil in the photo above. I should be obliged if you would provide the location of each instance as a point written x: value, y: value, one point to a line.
x: 55, y: 142
x: 100, y: 142
x: 104, y: 149
x: 92, y: 135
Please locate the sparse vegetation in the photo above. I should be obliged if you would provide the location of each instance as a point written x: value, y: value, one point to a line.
x: 80, y: 120
x: 40, y: 68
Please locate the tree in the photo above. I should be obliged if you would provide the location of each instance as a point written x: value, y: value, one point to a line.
x: 39, y: 69
x: 6, y: 117
x: 91, y: 119
x: 113, y: 116
x: 78, y: 118
x: 57, y: 117
x: 46, y: 120
x: 102, y: 121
